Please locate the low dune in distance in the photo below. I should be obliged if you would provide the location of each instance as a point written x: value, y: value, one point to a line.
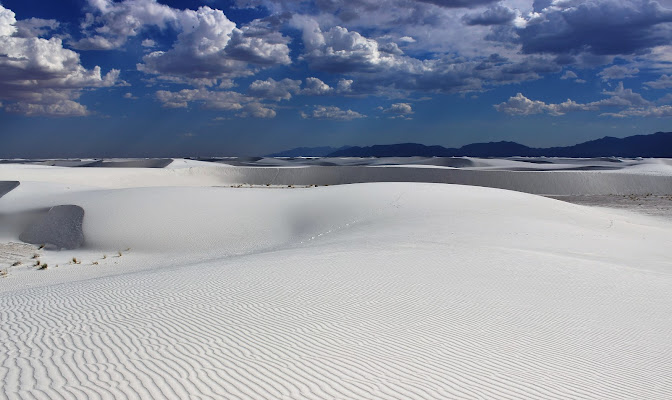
x: 534, y: 175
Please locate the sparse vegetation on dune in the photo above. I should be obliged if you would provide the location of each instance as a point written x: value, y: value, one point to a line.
x: 276, y: 186
x: 73, y: 261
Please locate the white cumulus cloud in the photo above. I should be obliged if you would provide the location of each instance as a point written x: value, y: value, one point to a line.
x: 111, y: 23
x: 315, y: 87
x: 618, y: 72
x: 332, y: 113
x: 626, y: 101
x: 244, y: 106
x: 399, y: 110
x: 211, y: 47
x: 257, y: 110
x: 274, y: 90
x: 664, y: 82
x: 39, y: 76
x: 221, y: 100
x: 344, y: 85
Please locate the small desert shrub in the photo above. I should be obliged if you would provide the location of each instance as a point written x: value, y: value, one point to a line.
x: 37, y: 264
x: 3, y: 272
x: 94, y: 263
x: 76, y: 261
x: 104, y: 256
x: 43, y: 266
x: 16, y: 263
x: 36, y: 256
x: 119, y: 254
x: 41, y: 246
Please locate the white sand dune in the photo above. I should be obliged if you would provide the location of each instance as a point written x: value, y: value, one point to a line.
x: 363, y: 291
x: 562, y: 177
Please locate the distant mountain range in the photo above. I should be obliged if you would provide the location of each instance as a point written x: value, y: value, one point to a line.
x: 309, y: 151
x: 655, y: 145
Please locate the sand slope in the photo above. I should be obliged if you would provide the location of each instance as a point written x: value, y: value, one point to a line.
x: 366, y: 291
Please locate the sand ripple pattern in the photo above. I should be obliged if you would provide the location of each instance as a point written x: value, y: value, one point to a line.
x: 280, y: 326
x: 436, y: 292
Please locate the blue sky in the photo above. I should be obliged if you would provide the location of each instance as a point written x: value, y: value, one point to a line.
x: 250, y: 77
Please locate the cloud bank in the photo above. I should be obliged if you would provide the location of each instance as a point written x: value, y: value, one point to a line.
x: 39, y: 76
x: 391, y: 50
x: 624, y: 102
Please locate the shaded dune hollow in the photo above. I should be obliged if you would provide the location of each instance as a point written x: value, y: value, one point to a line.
x: 8, y: 186
x: 59, y: 228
